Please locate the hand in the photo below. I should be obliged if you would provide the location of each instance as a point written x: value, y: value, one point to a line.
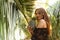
x: 30, y: 30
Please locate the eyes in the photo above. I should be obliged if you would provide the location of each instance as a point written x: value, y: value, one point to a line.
x: 38, y: 13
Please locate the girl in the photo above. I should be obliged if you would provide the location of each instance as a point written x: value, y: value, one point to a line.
x: 40, y: 28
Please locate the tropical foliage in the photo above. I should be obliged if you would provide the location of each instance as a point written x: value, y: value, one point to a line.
x: 15, y: 15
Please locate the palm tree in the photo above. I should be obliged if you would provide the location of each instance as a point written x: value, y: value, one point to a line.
x: 17, y: 13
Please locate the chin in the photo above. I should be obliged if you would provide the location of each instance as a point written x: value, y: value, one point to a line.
x: 38, y: 18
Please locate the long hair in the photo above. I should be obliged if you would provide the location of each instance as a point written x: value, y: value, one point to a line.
x: 45, y: 17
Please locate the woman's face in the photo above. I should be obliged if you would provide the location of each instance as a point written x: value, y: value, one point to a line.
x: 38, y: 15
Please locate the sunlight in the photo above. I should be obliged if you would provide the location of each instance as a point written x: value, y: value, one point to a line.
x: 22, y: 36
x: 17, y: 35
x: 51, y: 2
x: 38, y: 3
x: 42, y: 3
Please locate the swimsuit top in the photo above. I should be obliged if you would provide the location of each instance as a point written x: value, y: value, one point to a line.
x: 41, y: 31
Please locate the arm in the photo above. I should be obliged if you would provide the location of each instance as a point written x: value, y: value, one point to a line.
x: 30, y: 30
x: 31, y: 26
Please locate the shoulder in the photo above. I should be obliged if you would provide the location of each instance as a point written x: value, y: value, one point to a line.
x: 42, y: 21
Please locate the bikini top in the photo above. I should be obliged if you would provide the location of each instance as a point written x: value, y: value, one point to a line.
x: 41, y: 31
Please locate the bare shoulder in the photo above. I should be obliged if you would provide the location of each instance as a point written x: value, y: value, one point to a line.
x: 42, y: 21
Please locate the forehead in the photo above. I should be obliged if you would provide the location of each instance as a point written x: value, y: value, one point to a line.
x: 38, y: 12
